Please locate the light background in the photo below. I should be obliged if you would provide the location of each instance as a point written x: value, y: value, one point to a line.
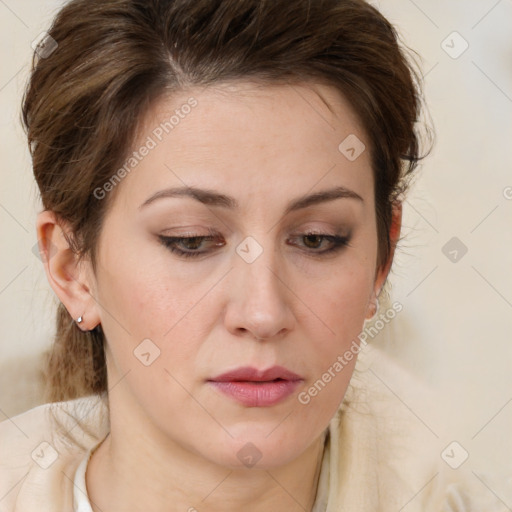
x: 454, y: 331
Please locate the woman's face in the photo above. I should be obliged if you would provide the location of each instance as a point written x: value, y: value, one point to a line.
x: 283, y: 276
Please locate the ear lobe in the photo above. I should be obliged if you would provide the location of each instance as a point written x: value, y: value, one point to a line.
x: 68, y: 278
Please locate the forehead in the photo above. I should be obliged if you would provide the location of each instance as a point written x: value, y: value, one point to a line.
x: 243, y: 135
x: 294, y: 109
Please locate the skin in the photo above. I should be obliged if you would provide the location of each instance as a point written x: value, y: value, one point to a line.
x: 174, y: 438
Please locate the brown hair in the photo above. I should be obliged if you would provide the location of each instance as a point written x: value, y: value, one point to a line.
x: 112, y: 59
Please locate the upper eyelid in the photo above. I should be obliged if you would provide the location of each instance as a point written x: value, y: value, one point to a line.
x: 307, y: 232
x: 339, y: 231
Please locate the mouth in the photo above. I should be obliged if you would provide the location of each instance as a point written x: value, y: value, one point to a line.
x: 257, y: 388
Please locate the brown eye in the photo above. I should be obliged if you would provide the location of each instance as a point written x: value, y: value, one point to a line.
x: 313, y: 241
x: 192, y: 243
x: 188, y: 246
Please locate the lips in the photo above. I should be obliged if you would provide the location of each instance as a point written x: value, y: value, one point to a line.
x: 257, y: 388
x: 250, y: 374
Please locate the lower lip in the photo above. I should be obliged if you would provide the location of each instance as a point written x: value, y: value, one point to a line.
x: 258, y: 394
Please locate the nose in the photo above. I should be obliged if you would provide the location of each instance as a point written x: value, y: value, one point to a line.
x: 259, y: 301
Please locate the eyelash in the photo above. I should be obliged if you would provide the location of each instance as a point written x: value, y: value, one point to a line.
x: 170, y: 242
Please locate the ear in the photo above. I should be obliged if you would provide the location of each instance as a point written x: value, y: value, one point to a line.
x: 72, y: 281
x: 383, y: 270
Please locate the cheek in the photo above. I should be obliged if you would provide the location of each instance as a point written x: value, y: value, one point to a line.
x: 340, y: 306
x: 341, y: 296
x: 140, y: 284
x: 141, y: 302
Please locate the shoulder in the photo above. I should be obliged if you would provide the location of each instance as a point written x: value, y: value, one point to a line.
x: 40, y: 450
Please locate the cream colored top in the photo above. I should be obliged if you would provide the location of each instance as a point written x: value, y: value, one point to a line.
x: 378, y: 456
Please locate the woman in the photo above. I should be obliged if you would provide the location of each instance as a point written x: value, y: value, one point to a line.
x: 222, y: 186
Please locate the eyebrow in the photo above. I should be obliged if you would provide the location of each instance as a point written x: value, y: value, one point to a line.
x: 213, y: 198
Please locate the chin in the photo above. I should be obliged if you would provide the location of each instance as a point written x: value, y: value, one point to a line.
x: 256, y: 449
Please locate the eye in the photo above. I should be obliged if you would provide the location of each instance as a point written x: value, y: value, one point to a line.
x: 188, y: 246
x: 199, y: 245
x: 315, y: 241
